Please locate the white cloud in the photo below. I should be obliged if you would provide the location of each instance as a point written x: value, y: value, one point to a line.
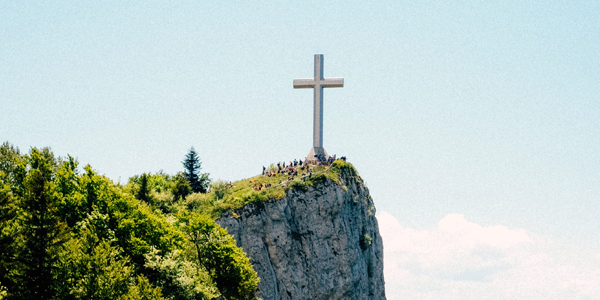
x: 463, y: 260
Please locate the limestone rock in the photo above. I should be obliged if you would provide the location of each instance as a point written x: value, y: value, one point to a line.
x: 319, y: 243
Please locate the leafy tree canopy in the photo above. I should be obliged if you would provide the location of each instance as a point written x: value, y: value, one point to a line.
x: 67, y: 233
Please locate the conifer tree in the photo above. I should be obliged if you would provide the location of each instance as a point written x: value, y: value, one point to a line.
x: 143, y: 193
x: 43, y: 232
x: 192, y: 165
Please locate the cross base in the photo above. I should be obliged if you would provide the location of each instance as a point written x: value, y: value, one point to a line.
x: 317, y: 154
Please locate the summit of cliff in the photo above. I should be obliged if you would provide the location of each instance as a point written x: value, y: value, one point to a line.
x: 317, y: 238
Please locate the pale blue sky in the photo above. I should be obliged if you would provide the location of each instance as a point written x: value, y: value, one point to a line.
x: 487, y: 110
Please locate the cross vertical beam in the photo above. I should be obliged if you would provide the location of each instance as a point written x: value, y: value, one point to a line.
x: 318, y: 106
x: 318, y: 83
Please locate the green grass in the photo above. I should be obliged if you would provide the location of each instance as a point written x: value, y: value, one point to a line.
x: 242, y: 192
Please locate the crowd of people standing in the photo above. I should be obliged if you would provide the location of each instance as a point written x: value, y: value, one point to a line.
x: 292, y: 168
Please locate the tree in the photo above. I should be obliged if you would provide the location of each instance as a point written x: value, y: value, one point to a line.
x: 192, y: 165
x: 220, y: 188
x: 43, y: 233
x: 73, y: 205
x: 181, y: 187
x: 14, y: 166
x: 144, y: 192
x: 178, y: 276
x: 9, y: 156
x: 8, y: 229
x: 215, y: 251
x: 93, y: 269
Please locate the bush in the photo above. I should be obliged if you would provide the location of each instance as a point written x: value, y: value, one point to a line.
x: 298, y: 185
x: 220, y: 189
x: 315, y: 180
x: 163, y: 200
x: 365, y: 242
x: 196, y: 200
x: 336, y: 169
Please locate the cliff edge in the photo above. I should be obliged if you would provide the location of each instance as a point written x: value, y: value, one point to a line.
x: 320, y: 241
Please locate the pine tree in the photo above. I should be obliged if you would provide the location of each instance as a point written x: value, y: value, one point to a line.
x: 192, y: 165
x: 43, y: 232
x: 143, y: 193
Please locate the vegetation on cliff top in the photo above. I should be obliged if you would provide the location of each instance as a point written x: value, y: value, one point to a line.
x: 223, y: 197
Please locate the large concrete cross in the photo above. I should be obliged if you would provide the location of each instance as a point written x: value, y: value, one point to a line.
x: 318, y: 83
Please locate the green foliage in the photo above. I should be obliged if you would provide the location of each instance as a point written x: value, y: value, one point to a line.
x: 3, y: 292
x: 143, y: 290
x: 43, y: 233
x: 138, y: 229
x: 243, y: 193
x: 180, y: 277
x: 365, y: 242
x: 196, y: 200
x: 319, y: 169
x: 97, y: 226
x: 8, y: 228
x: 220, y: 189
x: 298, y: 185
x: 371, y: 211
x: 164, y: 201
x: 315, y: 180
x: 92, y: 185
x: 215, y: 251
x: 93, y: 269
x: 159, y: 182
x: 70, y: 233
x: 10, y: 160
x: 340, y: 166
x: 181, y: 187
x: 159, y: 190
x: 72, y: 206
x: 192, y: 166
x: 143, y: 193
x: 66, y: 235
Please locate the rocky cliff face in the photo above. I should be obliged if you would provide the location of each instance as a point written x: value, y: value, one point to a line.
x: 318, y: 242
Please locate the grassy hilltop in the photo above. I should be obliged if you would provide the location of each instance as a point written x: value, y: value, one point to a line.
x: 222, y: 197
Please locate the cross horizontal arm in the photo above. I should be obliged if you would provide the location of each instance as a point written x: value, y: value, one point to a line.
x: 304, y: 83
x: 308, y: 83
x: 333, y: 82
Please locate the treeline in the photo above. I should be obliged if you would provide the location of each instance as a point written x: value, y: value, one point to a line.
x: 67, y: 233
x: 168, y: 193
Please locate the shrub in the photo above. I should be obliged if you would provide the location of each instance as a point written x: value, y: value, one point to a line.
x: 196, y: 200
x: 220, y: 189
x: 315, y: 180
x: 298, y: 185
x: 365, y: 242
x: 162, y: 200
